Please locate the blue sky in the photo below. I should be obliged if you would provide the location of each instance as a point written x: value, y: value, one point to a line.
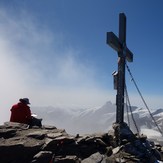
x: 55, y: 51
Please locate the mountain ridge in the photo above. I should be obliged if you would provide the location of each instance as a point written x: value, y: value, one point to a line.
x: 100, y: 119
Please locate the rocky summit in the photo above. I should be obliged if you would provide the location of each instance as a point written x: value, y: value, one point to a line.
x: 21, y: 144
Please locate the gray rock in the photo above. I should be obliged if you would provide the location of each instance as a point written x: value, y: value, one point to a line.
x: 20, y: 144
x: 54, y: 135
x: 42, y: 157
x: 15, y: 125
x: 7, y: 133
x: 67, y: 159
x: 94, y: 158
x: 37, y: 135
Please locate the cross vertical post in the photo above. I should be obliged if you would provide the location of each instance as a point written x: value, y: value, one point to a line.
x: 121, y: 70
x: 119, y: 44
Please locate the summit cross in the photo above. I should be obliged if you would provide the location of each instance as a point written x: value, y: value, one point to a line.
x: 119, y: 45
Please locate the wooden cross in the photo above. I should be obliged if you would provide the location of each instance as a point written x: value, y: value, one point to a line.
x: 119, y: 44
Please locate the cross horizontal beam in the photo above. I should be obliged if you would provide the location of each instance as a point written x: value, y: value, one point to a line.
x: 114, y: 42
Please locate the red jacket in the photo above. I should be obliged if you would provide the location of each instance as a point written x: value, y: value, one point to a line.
x: 20, y: 113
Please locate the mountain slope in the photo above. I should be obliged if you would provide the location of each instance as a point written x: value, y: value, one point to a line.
x: 97, y: 119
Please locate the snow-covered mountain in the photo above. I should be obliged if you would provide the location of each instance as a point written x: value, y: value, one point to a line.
x: 82, y: 120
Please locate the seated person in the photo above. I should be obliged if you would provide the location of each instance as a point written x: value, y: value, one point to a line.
x: 21, y: 113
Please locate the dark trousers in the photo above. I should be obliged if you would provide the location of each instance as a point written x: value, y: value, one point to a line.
x: 35, y: 122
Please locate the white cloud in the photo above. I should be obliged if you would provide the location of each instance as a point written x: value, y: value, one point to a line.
x: 33, y: 65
